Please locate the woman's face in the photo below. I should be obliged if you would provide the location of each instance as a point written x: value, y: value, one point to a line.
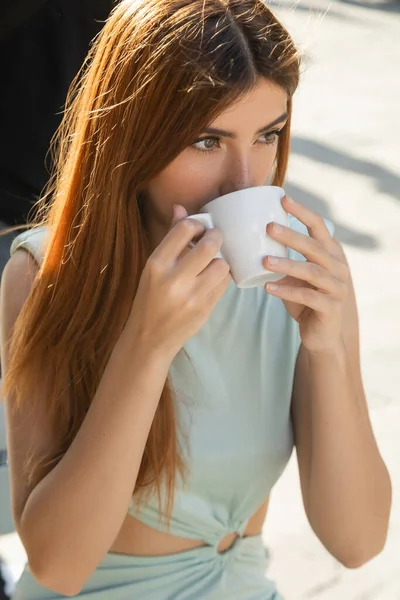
x: 236, y: 151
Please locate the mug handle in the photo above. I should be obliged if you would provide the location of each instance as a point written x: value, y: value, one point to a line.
x: 206, y: 220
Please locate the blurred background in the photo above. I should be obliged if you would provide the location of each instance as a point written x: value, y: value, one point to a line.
x: 345, y: 164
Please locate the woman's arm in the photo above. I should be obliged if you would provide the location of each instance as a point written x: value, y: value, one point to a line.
x: 69, y: 521
x: 345, y: 484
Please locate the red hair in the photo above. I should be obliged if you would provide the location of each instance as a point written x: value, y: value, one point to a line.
x: 156, y: 76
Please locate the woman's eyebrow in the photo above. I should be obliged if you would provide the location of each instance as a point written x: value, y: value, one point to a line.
x: 229, y: 134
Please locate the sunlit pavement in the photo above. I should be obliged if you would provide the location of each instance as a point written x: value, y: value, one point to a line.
x: 346, y: 165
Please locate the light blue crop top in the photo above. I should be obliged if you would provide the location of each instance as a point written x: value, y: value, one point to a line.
x: 233, y: 386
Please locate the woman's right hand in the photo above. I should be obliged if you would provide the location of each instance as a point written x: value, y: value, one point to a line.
x: 177, y: 294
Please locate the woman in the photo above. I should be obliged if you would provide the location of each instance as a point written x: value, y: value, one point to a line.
x: 152, y: 405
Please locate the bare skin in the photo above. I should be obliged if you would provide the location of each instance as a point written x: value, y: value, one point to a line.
x: 140, y: 539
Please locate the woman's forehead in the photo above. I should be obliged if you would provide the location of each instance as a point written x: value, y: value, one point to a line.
x: 256, y: 109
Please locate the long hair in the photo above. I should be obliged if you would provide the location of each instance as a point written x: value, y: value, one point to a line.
x: 156, y: 76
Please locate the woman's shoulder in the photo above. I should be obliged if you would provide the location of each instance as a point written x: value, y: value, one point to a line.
x: 17, y: 280
x: 20, y: 272
x: 33, y: 241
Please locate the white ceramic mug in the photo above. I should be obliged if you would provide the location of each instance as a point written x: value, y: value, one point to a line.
x: 242, y: 216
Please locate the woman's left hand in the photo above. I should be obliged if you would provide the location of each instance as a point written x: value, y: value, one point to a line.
x: 314, y: 291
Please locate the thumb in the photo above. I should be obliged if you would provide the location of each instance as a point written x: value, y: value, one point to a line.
x: 179, y: 213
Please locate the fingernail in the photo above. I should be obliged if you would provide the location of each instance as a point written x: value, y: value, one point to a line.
x: 278, y: 228
x: 272, y: 260
x: 272, y: 286
x: 290, y: 199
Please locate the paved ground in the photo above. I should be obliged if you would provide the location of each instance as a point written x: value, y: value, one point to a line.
x: 345, y: 164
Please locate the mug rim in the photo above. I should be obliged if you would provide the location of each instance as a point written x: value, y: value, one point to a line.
x: 254, y: 187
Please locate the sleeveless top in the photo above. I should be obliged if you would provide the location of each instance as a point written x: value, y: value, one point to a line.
x: 233, y: 386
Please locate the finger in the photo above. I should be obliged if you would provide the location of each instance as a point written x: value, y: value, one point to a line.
x: 315, y: 224
x: 309, y: 247
x: 309, y: 272
x: 179, y: 213
x: 305, y: 296
x: 201, y: 255
x: 176, y: 240
x: 213, y: 275
x: 291, y: 281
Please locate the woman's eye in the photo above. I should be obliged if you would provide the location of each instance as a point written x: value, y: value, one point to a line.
x: 211, y: 143
x: 271, y: 136
x: 206, y: 144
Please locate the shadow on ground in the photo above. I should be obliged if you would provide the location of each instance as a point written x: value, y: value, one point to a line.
x: 386, y: 181
x: 343, y: 233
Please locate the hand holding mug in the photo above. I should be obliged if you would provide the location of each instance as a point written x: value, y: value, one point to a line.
x: 315, y: 291
x: 176, y: 292
x: 256, y: 238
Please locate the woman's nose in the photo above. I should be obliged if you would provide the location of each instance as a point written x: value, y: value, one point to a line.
x: 237, y: 177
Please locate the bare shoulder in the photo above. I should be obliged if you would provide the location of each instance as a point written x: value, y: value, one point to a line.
x: 16, y: 283
x: 27, y: 430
